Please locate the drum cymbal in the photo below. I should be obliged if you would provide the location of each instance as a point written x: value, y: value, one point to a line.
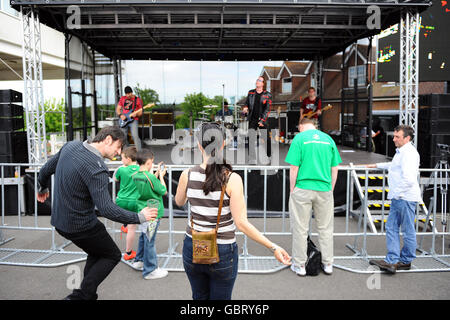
x: 210, y: 106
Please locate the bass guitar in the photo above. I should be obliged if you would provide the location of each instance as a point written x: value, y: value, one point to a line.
x: 311, y: 114
x: 129, y: 116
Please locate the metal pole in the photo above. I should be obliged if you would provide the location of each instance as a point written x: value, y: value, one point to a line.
x: 366, y: 195
x: 383, y: 197
x: 434, y: 216
x: 3, y: 195
x: 284, y: 202
x: 171, y: 247
x: 265, y: 200
x: 19, y: 218
x: 347, y: 202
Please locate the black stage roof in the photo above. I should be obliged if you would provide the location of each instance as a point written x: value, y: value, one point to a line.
x: 220, y: 30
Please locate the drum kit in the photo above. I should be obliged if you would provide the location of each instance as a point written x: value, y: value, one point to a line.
x: 228, y: 121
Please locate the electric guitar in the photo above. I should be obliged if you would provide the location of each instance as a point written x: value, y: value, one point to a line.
x: 129, y: 116
x: 311, y: 114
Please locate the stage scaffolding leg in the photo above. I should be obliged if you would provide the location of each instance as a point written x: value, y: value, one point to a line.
x: 409, y: 69
x: 33, y: 97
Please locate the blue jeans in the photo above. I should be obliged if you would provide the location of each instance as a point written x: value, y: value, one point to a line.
x: 212, y: 281
x: 133, y: 127
x: 147, y: 252
x: 402, y: 215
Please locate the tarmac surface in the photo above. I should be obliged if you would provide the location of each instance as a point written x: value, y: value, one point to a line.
x: 125, y: 283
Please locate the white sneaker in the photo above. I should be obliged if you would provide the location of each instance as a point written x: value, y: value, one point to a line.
x: 327, y: 269
x: 138, y: 265
x: 156, y: 274
x: 300, y: 271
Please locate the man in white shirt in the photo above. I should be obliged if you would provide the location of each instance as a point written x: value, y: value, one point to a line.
x: 404, y: 193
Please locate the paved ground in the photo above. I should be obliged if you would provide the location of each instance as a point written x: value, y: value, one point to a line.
x: 125, y: 283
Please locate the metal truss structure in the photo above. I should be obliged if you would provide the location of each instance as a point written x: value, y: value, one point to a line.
x: 409, y: 69
x: 33, y: 96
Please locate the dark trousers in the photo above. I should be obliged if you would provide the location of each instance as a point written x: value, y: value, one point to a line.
x: 265, y: 136
x: 212, y: 281
x: 103, y: 256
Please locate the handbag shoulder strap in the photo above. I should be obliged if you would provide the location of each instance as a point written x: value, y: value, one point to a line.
x: 220, y: 207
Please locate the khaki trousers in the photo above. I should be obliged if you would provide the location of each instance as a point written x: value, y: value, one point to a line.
x: 301, y: 202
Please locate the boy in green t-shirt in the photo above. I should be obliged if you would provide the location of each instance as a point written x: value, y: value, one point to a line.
x: 126, y: 198
x: 314, y: 158
x: 149, y: 186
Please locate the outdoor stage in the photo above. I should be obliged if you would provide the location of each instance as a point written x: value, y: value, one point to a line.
x: 348, y: 155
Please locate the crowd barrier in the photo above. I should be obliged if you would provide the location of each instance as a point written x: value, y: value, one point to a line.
x: 431, y: 226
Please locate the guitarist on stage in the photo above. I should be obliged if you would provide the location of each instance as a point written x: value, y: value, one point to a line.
x: 130, y: 103
x: 312, y: 103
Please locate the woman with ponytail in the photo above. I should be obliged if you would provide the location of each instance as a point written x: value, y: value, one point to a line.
x: 202, y: 186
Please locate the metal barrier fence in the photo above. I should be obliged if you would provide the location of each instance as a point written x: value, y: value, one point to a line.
x: 427, y: 260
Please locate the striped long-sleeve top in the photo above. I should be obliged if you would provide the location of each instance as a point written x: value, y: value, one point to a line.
x: 204, y: 208
x: 81, y: 184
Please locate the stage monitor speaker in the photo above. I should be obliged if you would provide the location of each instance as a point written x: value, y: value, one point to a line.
x: 14, y: 144
x: 11, y: 110
x: 11, y: 124
x: 8, y: 96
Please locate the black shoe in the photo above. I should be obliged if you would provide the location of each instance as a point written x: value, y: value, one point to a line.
x: 383, y: 265
x: 403, y: 266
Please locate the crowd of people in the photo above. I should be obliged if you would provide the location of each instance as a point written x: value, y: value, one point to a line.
x: 216, y: 197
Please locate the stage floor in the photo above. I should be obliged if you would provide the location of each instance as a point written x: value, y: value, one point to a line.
x: 348, y: 155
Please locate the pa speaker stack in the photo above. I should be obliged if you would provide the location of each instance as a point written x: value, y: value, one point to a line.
x: 433, y: 128
x: 13, y: 138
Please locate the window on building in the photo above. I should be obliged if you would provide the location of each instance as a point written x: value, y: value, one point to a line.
x: 4, y: 6
x: 287, y: 85
x: 268, y: 85
x: 357, y: 71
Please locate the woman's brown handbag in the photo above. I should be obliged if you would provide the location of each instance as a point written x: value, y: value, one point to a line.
x: 204, y: 244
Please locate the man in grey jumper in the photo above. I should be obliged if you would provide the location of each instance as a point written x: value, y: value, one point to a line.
x: 81, y: 185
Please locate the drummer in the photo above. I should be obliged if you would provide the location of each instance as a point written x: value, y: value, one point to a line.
x: 226, y: 110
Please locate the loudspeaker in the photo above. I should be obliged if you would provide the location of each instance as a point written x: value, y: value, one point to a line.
x: 8, y: 96
x: 14, y: 144
x: 428, y: 150
x: 162, y: 131
x: 144, y: 133
x: 11, y: 110
x: 441, y: 126
x: 294, y: 105
x: 433, y: 100
x: 11, y: 124
x: 293, y: 118
x: 162, y: 118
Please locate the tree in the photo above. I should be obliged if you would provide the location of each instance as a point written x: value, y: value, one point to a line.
x: 193, y: 104
x: 147, y: 95
x: 53, y: 115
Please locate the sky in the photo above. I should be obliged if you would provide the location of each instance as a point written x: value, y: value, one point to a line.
x: 174, y: 79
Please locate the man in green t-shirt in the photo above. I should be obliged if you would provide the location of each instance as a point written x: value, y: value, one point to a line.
x: 314, y: 158
x: 127, y: 195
